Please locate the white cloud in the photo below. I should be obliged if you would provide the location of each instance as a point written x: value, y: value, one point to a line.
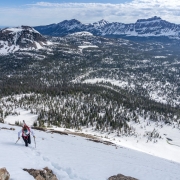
x: 46, y: 13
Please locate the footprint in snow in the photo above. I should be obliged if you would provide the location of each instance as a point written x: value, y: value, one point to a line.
x: 45, y: 159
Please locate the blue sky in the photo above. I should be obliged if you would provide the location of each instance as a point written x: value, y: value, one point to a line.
x: 34, y: 12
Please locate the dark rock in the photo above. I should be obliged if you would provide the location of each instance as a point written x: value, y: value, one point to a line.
x: 4, y: 174
x: 121, y: 177
x: 59, y: 132
x: 39, y: 177
x: 100, y: 141
x: 12, y: 129
x: 45, y: 174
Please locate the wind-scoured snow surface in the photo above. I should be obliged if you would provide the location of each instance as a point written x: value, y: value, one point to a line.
x: 75, y: 158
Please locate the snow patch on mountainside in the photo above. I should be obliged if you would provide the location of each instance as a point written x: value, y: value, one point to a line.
x: 88, y: 46
x: 83, y: 33
x: 112, y: 81
x: 6, y: 49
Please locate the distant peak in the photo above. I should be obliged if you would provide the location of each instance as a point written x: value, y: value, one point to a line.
x: 71, y: 21
x: 155, y: 18
x: 74, y: 20
x: 102, y: 22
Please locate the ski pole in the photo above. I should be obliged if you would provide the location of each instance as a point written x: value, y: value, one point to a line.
x: 35, y: 142
x: 17, y: 141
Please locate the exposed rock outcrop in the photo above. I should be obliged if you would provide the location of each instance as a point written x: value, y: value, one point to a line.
x: 100, y: 141
x: 121, y: 177
x: 12, y: 129
x: 45, y: 174
x: 4, y: 174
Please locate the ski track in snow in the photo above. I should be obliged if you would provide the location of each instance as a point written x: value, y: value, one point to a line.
x: 75, y: 158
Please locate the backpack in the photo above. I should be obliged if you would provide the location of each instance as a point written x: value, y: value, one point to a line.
x: 25, y: 131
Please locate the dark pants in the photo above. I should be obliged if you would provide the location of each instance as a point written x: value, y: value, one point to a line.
x: 27, y: 140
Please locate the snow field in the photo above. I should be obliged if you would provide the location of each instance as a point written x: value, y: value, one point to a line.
x: 161, y: 148
x: 74, y: 158
x: 23, y: 115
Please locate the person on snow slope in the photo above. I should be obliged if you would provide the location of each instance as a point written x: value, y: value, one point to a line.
x: 25, y: 131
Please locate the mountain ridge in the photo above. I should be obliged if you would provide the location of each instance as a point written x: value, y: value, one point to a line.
x: 150, y: 27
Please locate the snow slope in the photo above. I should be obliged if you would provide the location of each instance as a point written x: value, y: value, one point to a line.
x: 141, y: 140
x: 74, y: 158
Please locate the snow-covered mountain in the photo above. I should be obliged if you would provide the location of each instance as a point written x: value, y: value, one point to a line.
x: 154, y: 26
x: 62, y: 28
x: 24, y: 37
x: 100, y: 24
